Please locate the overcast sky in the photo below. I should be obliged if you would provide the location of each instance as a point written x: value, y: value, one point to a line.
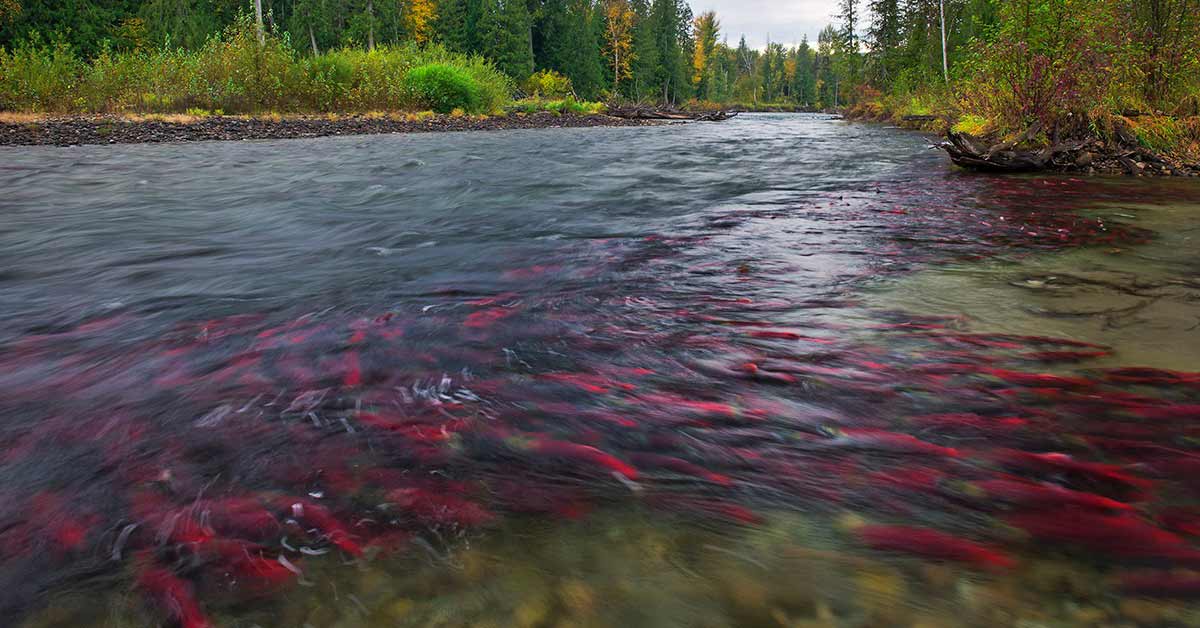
x: 785, y: 20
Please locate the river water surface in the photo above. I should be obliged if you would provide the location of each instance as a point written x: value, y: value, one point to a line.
x: 779, y: 371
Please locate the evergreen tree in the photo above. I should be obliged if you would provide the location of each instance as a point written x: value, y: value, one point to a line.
x: 645, y: 53
x: 671, y: 79
x: 505, y: 37
x: 455, y: 24
x: 592, y: 75
x: 828, y: 79
x: 847, y: 39
x: 185, y: 23
x: 570, y: 38
x: 885, y: 37
x: 804, y: 80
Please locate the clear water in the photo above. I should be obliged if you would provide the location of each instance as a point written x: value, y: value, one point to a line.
x: 779, y: 371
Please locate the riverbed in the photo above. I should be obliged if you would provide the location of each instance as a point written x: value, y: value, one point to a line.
x: 782, y: 370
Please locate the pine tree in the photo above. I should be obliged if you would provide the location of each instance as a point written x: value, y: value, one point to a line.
x: 504, y: 35
x: 454, y: 25
x: 645, y: 52
x: 848, y: 14
x: 848, y: 38
x: 449, y: 28
x: 570, y: 42
x: 804, y: 81
x: 829, y: 81
x: 671, y: 77
x: 592, y: 76
x: 885, y: 37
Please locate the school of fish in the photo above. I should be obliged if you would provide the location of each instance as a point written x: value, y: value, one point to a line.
x: 214, y: 459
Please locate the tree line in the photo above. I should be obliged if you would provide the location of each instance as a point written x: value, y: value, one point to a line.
x: 1037, y: 51
x: 638, y: 49
x: 645, y: 50
x: 1031, y: 58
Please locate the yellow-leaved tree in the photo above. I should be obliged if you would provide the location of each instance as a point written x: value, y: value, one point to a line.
x: 421, y: 16
x: 707, y: 28
x: 618, y: 44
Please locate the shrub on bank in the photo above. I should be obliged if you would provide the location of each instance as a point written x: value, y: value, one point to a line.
x: 566, y: 105
x: 972, y: 124
x: 442, y: 88
x: 548, y: 84
x: 235, y: 73
x: 39, y: 77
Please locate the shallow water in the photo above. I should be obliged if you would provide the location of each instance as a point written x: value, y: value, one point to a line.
x: 777, y: 371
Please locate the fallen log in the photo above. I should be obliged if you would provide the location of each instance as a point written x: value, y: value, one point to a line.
x: 1087, y: 154
x: 966, y: 151
x: 646, y: 113
x: 1000, y: 158
x: 717, y: 116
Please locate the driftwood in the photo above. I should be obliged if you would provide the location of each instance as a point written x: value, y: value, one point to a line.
x: 1002, y: 157
x: 1078, y: 155
x: 647, y: 113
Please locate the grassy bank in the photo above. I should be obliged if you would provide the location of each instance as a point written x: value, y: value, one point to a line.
x: 234, y: 73
x: 1173, y: 136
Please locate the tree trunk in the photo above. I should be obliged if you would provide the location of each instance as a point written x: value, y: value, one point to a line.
x: 312, y: 38
x: 371, y: 27
x: 616, y: 69
x: 945, y: 61
x: 258, y: 20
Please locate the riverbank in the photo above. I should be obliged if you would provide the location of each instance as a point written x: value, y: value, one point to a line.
x: 31, y: 130
x: 1132, y: 144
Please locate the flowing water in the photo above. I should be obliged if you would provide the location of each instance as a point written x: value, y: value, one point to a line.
x: 779, y: 371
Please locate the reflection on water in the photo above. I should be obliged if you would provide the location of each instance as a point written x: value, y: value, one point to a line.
x: 776, y: 372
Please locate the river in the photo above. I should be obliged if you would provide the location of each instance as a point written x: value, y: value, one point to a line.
x: 779, y: 371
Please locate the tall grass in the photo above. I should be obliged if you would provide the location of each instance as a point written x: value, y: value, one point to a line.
x: 233, y: 73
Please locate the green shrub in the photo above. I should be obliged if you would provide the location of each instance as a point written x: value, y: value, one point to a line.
x: 548, y: 84
x: 39, y: 77
x: 972, y: 124
x: 443, y: 88
x: 328, y: 80
x: 561, y: 106
x: 578, y: 107
x: 233, y: 72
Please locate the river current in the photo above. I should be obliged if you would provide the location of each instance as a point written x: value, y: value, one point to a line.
x: 778, y: 371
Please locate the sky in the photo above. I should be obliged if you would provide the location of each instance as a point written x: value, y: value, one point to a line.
x: 787, y: 21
